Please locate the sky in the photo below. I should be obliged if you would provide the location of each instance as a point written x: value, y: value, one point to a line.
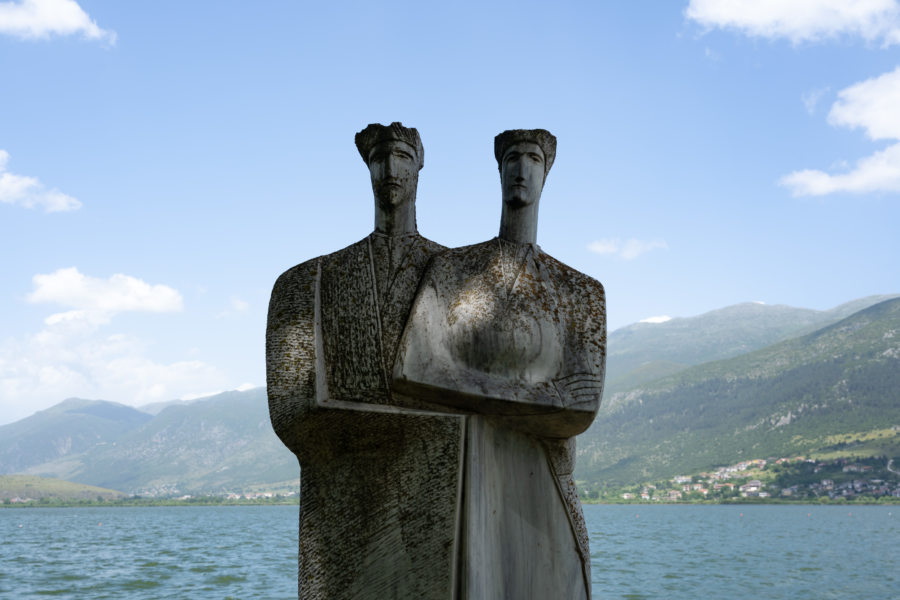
x: 161, y: 163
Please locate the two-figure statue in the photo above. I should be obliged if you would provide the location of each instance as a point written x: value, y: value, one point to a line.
x: 432, y: 396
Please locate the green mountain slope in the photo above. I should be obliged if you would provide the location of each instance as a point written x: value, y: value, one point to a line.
x: 222, y: 443
x: 28, y: 486
x: 63, y: 431
x: 782, y: 400
x: 642, y: 352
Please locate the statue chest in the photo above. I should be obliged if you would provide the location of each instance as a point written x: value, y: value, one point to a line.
x: 505, y: 320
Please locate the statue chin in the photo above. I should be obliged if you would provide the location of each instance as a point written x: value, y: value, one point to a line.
x: 392, y: 197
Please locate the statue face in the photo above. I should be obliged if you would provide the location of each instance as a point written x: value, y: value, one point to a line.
x: 395, y: 173
x: 522, y: 174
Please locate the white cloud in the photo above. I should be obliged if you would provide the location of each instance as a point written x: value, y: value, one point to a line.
x: 236, y: 305
x: 37, y: 19
x: 606, y: 246
x: 879, y: 172
x: 870, y: 105
x: 659, y: 319
x: 629, y: 249
x: 801, y: 20
x: 63, y: 360
x: 712, y: 54
x: 75, y: 355
x: 90, y: 295
x: 811, y: 99
x: 30, y: 193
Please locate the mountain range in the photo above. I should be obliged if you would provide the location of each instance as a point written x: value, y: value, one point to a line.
x: 745, y: 381
x: 795, y: 397
x: 223, y: 443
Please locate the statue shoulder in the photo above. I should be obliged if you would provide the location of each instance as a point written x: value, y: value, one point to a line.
x: 293, y: 285
x: 429, y: 246
x: 298, y: 278
x: 464, y: 259
x: 572, y: 279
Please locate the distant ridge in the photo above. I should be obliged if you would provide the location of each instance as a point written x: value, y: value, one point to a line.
x: 68, y: 429
x: 790, y: 398
x: 216, y: 444
x: 642, y: 352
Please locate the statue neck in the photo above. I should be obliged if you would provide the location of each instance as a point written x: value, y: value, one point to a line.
x: 519, y: 225
x: 397, y: 220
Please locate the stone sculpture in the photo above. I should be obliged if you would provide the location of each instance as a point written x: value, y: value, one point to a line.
x: 517, y: 340
x: 379, y: 485
x: 435, y: 427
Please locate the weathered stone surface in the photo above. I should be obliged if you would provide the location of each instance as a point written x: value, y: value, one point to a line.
x: 380, y: 486
x: 432, y: 396
x: 504, y: 331
x: 518, y: 539
x: 502, y: 328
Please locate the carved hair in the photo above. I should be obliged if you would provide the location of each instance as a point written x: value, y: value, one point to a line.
x: 541, y: 137
x: 375, y: 134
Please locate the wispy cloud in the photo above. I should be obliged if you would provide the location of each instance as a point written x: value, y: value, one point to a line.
x: 811, y: 99
x: 119, y: 293
x: 712, y: 54
x: 235, y: 306
x: 872, y: 106
x: 628, y: 250
x: 31, y: 193
x: 39, y: 19
x: 801, y: 20
x: 75, y: 354
x: 659, y: 319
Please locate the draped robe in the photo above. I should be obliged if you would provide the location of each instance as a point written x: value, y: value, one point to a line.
x: 437, y: 463
x: 379, y: 484
x: 516, y: 339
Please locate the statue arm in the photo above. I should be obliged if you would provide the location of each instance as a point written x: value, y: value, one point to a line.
x: 560, y: 408
x: 290, y: 351
x: 584, y: 364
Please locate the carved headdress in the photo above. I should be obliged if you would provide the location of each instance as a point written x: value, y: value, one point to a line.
x: 375, y: 133
x: 541, y: 137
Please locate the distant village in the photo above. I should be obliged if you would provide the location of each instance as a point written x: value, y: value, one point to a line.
x: 782, y: 479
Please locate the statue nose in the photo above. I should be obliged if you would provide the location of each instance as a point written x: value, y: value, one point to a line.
x: 391, y: 165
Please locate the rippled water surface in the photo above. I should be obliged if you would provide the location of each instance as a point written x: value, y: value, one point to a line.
x: 756, y: 551
x: 672, y: 552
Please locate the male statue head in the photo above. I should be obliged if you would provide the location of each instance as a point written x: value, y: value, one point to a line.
x: 524, y: 157
x: 394, y: 155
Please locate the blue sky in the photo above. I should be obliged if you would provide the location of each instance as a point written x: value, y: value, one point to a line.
x: 162, y: 162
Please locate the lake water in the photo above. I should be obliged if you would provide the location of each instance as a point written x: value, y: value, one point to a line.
x: 638, y: 551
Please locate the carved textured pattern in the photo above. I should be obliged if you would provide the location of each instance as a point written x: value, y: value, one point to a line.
x: 290, y: 351
x: 561, y: 455
x: 379, y: 508
x: 583, y: 300
x: 514, y: 316
x: 399, y: 265
x: 379, y: 492
x: 573, y: 505
x: 351, y: 334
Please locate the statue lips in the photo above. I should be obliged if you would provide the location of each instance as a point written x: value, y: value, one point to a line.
x: 517, y: 194
x: 390, y: 183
